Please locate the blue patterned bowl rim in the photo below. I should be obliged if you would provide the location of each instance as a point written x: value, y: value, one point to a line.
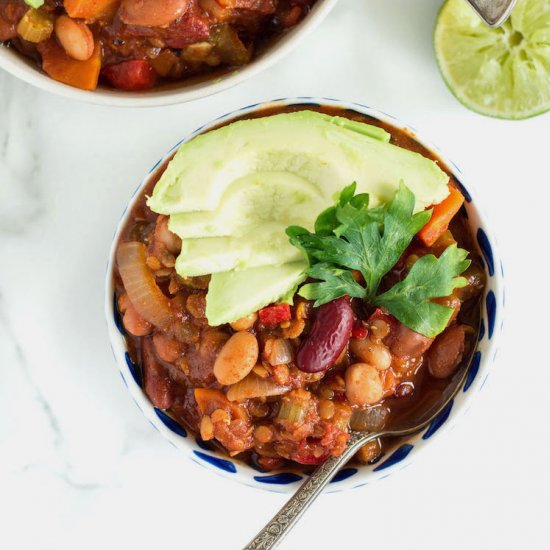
x: 349, y: 477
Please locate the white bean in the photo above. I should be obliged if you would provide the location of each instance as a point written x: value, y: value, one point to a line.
x: 75, y: 37
x: 363, y: 384
x: 237, y: 358
x: 152, y: 13
x: 376, y: 354
x: 244, y: 323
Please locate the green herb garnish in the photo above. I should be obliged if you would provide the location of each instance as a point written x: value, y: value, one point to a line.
x: 350, y: 236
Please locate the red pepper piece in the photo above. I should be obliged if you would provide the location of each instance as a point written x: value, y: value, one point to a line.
x: 132, y: 75
x: 275, y: 315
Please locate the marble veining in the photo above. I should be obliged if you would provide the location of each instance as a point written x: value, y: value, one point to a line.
x: 21, y: 182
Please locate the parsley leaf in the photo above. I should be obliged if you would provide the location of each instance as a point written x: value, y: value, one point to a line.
x: 350, y: 236
x: 430, y: 277
x: 353, y: 236
x: 335, y: 282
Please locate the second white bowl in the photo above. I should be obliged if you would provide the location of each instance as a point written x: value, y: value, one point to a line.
x: 27, y: 70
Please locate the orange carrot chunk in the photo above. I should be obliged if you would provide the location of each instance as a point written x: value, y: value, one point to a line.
x: 210, y: 400
x: 91, y: 9
x: 80, y: 74
x: 442, y: 215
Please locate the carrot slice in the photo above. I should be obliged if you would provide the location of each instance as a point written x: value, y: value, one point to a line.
x: 209, y: 400
x: 91, y: 9
x: 57, y: 64
x: 442, y: 215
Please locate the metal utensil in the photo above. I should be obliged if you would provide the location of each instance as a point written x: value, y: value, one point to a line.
x: 421, y: 414
x: 493, y: 12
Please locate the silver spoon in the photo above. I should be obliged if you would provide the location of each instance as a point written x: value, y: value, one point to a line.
x: 422, y: 414
x: 493, y: 12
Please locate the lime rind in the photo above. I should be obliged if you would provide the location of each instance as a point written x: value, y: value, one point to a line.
x: 503, y: 73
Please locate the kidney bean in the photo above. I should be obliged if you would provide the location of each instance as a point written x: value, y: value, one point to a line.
x: 475, y: 275
x: 408, y: 343
x: 156, y: 382
x: 167, y: 347
x: 193, y: 27
x: 151, y: 13
x: 447, y: 351
x: 134, y: 323
x: 329, y: 336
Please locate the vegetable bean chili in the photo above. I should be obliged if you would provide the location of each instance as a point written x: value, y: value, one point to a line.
x: 285, y: 384
x: 135, y: 45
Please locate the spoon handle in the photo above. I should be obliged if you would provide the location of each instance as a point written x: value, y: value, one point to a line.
x: 285, y: 519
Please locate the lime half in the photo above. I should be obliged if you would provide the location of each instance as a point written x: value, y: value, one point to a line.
x: 502, y: 72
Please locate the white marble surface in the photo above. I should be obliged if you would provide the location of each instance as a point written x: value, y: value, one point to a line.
x: 80, y: 468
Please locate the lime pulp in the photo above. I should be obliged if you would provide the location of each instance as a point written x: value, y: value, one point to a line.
x: 502, y: 72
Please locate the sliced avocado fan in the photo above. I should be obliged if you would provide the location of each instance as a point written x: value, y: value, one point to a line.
x: 231, y: 192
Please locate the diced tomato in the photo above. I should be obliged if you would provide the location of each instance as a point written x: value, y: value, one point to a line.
x: 305, y: 454
x: 193, y: 27
x: 132, y: 75
x: 275, y: 315
x: 359, y: 330
x: 10, y: 15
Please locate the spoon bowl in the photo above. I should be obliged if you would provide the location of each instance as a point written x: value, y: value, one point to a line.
x: 493, y: 12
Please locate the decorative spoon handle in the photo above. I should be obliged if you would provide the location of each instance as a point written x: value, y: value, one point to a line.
x: 493, y: 12
x: 272, y: 534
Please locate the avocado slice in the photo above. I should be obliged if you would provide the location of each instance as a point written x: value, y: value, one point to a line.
x: 235, y: 294
x: 265, y: 244
x: 231, y: 193
x: 329, y: 152
x: 255, y: 199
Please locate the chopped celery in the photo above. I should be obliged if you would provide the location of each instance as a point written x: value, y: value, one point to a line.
x: 34, y: 3
x: 35, y: 26
x: 292, y: 411
x: 229, y: 46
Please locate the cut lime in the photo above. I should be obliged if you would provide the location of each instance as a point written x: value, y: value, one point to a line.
x: 502, y: 72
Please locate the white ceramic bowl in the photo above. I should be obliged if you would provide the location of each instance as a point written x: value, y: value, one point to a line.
x: 287, y: 481
x: 27, y: 70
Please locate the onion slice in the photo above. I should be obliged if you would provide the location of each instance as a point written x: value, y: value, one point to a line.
x: 369, y: 420
x: 139, y: 282
x: 281, y: 352
x: 254, y: 386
